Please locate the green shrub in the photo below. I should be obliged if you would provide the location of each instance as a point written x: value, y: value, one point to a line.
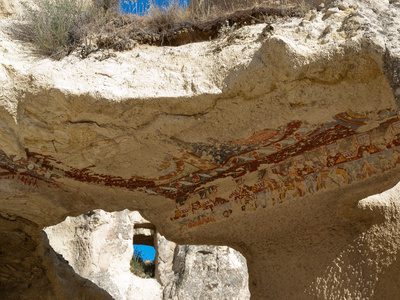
x: 57, y: 27
x: 50, y: 22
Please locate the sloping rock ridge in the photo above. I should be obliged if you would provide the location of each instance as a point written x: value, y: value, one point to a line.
x: 266, y: 140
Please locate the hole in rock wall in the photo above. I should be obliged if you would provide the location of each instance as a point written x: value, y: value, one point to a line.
x: 146, y: 252
x: 143, y: 259
x: 142, y: 263
x: 100, y: 246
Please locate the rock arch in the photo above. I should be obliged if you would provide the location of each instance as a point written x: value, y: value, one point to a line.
x: 98, y: 246
x: 266, y: 141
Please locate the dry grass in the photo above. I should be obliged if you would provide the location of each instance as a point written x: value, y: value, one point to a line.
x: 164, y: 18
x: 49, y: 23
x: 58, y: 27
x: 213, y: 8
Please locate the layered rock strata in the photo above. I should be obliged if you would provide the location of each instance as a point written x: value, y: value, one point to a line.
x: 265, y: 140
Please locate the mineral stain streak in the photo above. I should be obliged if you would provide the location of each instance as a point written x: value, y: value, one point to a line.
x: 290, y: 152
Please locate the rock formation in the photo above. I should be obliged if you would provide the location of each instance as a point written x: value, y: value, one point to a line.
x: 98, y: 246
x: 270, y: 140
x: 208, y: 272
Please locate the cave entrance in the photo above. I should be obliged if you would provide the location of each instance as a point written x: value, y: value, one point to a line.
x: 99, y: 245
x: 143, y: 263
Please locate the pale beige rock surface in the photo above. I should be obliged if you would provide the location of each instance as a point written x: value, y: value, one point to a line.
x: 207, y: 272
x: 99, y: 247
x: 8, y: 8
x: 264, y: 141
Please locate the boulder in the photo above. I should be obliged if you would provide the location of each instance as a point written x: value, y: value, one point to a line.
x: 208, y: 272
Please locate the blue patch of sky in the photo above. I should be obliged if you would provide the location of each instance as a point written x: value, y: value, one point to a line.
x: 139, y: 7
x: 147, y: 252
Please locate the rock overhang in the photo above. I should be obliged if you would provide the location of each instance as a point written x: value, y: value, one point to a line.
x: 158, y: 122
x: 208, y: 138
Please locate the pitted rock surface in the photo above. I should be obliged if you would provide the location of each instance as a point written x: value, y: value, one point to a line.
x: 263, y: 140
x: 99, y: 246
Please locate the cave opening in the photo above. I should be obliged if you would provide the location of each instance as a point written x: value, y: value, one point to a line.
x: 145, y: 252
x: 99, y: 246
x: 143, y: 263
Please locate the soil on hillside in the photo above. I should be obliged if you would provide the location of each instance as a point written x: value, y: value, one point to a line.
x: 124, y: 32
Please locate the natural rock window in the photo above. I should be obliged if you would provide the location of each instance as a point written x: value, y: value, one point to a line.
x: 143, y: 238
x: 142, y: 263
x: 99, y: 246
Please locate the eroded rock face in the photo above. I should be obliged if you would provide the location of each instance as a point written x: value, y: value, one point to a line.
x: 8, y: 8
x: 30, y: 269
x: 98, y: 246
x: 265, y: 140
x: 208, y: 272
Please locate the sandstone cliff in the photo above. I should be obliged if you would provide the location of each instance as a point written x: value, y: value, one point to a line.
x: 270, y: 140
